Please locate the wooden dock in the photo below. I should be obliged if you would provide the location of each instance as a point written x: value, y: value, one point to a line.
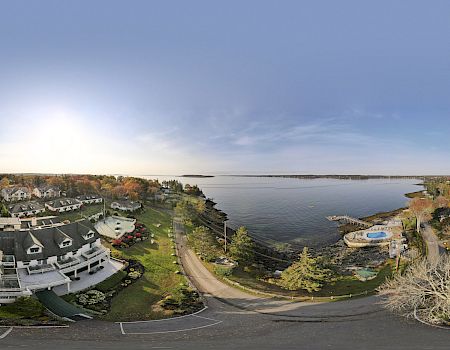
x: 349, y: 220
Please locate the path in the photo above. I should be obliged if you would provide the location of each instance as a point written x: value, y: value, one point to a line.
x: 432, y: 241
x: 211, y: 287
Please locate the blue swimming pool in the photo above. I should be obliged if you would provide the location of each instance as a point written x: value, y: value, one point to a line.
x: 379, y: 234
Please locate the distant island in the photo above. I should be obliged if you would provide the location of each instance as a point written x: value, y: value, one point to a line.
x: 201, y: 176
x: 348, y: 177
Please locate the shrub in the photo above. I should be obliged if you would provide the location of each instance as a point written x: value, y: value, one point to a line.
x: 134, y: 275
x: 91, y: 297
x: 223, y: 271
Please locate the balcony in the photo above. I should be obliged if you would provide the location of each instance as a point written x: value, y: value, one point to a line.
x: 40, y: 268
x: 93, y: 252
x: 8, y: 261
x: 68, y: 262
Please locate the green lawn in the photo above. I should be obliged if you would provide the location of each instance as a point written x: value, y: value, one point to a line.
x: 135, y: 302
x: 23, y: 308
x: 343, y: 286
x: 111, y: 282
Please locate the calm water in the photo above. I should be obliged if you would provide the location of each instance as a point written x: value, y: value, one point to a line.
x: 294, y: 210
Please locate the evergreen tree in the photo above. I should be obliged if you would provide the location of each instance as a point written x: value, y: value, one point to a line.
x: 306, y: 273
x: 4, y: 211
x: 242, y: 246
x: 204, y: 243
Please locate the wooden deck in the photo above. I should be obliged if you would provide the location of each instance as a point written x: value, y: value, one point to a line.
x: 349, y: 220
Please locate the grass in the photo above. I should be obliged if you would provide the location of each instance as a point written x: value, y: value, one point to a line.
x: 345, y: 285
x: 23, y: 308
x: 159, y: 280
x: 418, y: 194
x: 111, y: 282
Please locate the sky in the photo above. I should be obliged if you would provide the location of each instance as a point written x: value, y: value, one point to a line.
x: 225, y: 87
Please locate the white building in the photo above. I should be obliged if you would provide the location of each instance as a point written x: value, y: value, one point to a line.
x: 126, y: 205
x: 14, y: 194
x: 89, y: 198
x: 63, y: 204
x: 42, y: 259
x: 10, y: 224
x: 23, y: 209
x: 47, y: 192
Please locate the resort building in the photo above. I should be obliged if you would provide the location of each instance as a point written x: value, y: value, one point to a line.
x: 14, y: 194
x: 10, y: 224
x: 33, y: 223
x: 89, y: 199
x: 25, y: 209
x: 45, y: 258
x: 63, y: 204
x: 47, y: 192
x: 126, y: 205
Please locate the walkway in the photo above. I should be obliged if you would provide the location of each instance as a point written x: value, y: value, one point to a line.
x: 59, y: 306
x: 211, y: 287
x: 432, y: 241
x: 86, y: 280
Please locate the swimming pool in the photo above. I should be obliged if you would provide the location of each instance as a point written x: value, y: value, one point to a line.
x: 375, y: 235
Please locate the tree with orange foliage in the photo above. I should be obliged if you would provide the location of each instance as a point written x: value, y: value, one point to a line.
x: 421, y: 209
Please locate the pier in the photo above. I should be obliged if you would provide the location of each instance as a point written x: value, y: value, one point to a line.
x: 349, y: 220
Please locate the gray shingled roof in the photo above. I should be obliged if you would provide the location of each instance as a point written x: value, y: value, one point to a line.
x: 63, y: 202
x: 16, y: 243
x: 48, y: 187
x: 24, y: 206
x: 87, y: 197
x: 11, y: 190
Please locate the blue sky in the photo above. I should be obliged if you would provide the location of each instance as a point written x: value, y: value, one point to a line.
x: 172, y: 87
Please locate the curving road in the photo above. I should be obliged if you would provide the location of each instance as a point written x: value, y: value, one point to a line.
x: 237, y: 320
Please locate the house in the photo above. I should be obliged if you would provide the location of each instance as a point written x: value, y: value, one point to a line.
x: 31, y: 223
x: 22, y: 209
x: 10, y: 224
x: 42, y: 259
x: 89, y: 198
x: 63, y: 204
x: 126, y: 205
x: 47, y: 192
x: 14, y: 194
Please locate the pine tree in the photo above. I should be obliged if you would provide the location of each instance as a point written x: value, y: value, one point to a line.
x: 305, y: 274
x: 242, y: 246
x: 204, y: 243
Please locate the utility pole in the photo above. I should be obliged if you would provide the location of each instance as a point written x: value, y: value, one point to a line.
x: 225, y: 234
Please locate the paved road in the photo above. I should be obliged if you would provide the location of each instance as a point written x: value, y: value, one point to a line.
x: 237, y: 320
x: 432, y: 242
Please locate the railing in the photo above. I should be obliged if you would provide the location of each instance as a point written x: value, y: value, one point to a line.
x: 62, y: 264
x: 94, y: 252
x: 40, y: 268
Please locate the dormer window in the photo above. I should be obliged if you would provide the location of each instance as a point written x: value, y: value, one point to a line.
x: 34, y: 250
x: 89, y: 235
x: 66, y: 243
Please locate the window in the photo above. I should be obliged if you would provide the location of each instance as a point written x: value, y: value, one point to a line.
x: 66, y: 243
x: 34, y: 250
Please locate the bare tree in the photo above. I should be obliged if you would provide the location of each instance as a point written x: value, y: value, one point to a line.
x: 423, y: 288
x: 422, y: 209
x: 441, y: 202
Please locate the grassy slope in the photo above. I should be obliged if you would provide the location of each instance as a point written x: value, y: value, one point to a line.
x: 23, y: 308
x: 135, y: 302
x: 343, y: 286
